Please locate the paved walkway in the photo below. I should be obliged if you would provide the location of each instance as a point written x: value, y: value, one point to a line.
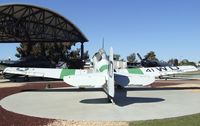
x: 73, y: 104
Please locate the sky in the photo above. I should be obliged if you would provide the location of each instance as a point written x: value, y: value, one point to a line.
x: 170, y: 28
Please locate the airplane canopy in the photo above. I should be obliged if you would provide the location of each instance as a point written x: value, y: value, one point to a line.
x: 28, y: 23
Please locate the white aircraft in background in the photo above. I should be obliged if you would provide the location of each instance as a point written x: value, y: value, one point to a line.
x: 102, y: 75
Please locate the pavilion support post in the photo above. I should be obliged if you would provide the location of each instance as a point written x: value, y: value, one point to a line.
x: 82, y: 53
x: 82, y: 50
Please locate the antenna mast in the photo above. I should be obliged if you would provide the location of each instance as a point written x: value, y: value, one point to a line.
x: 103, y: 43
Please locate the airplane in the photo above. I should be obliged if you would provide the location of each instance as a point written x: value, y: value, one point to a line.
x: 145, y: 62
x: 28, y: 62
x: 103, y: 75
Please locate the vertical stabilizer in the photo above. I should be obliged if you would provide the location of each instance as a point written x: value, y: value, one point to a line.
x: 109, y: 86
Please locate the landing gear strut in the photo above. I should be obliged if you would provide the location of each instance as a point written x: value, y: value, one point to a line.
x: 26, y: 78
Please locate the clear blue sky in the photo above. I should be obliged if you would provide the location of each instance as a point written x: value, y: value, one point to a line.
x: 171, y: 28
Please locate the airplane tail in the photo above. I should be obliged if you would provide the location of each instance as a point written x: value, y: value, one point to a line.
x: 109, y: 86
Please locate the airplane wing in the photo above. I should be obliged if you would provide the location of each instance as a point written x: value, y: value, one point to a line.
x: 158, y: 71
x: 43, y: 72
x: 74, y: 77
x: 146, y: 76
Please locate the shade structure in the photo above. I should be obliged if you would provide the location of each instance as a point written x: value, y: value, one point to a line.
x: 30, y: 23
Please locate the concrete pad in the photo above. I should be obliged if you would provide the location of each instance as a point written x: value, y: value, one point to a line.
x: 74, y: 104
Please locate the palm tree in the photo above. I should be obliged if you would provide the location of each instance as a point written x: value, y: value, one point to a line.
x: 131, y: 58
x: 151, y: 56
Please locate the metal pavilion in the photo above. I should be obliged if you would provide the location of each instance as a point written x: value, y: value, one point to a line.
x: 30, y: 23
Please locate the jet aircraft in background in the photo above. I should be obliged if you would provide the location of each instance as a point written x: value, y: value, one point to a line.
x: 28, y: 62
x: 145, y: 62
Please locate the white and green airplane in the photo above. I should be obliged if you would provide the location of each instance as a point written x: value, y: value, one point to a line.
x: 103, y: 74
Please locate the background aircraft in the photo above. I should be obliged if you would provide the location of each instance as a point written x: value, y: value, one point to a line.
x: 145, y: 62
x: 40, y: 62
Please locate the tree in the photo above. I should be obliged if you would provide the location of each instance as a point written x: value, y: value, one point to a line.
x: 116, y: 57
x: 23, y: 50
x: 74, y: 58
x: 131, y: 58
x: 184, y: 62
x: 54, y: 52
x: 187, y: 62
x: 173, y: 62
x: 151, y: 56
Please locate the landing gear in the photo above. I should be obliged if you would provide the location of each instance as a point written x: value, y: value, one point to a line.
x: 110, y: 100
x: 119, y: 86
x: 26, y: 78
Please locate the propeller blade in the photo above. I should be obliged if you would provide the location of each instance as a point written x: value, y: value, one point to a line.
x: 139, y: 56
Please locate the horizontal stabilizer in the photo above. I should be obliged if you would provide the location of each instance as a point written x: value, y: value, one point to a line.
x: 87, y: 80
x: 133, y: 80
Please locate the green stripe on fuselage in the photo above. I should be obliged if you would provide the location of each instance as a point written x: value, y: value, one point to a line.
x: 67, y: 72
x: 104, y: 67
x: 135, y: 71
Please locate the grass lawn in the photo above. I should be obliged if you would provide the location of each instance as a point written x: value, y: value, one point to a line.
x: 191, y: 120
